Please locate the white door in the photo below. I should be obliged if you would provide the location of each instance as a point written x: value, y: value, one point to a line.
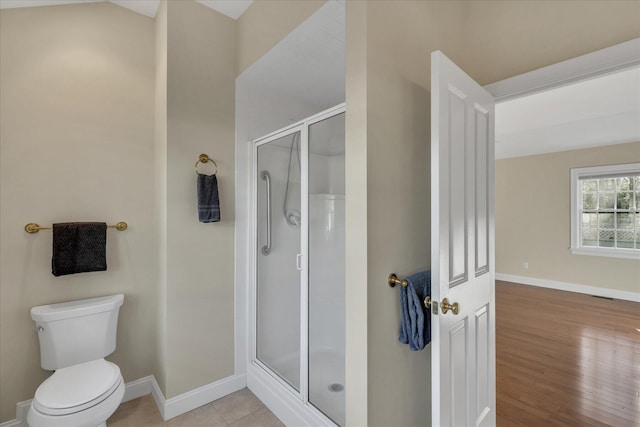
x: 462, y: 249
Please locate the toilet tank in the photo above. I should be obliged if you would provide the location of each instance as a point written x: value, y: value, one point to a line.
x: 77, y: 331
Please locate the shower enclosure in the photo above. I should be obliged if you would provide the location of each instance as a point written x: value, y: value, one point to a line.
x: 299, y: 287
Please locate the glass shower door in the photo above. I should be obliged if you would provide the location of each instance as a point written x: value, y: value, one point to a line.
x: 278, y: 279
x: 327, y: 266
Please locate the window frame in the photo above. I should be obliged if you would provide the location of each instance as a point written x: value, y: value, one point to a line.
x: 576, y: 206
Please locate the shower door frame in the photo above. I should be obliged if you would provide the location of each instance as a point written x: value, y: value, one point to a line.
x: 295, y: 402
x: 304, y: 229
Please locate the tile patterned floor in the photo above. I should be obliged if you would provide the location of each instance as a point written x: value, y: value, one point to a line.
x: 239, y: 409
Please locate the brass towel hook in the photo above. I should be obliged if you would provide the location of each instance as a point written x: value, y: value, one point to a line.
x: 203, y: 158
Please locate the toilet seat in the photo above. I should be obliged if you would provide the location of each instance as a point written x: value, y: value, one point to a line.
x: 77, y: 388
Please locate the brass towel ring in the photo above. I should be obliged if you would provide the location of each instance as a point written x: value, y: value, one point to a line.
x: 203, y: 158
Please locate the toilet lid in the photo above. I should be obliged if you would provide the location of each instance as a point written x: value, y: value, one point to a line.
x: 77, y: 387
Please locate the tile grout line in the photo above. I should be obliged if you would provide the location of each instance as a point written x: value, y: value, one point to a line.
x: 248, y: 415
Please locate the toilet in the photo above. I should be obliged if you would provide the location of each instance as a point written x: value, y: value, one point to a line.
x: 85, y: 389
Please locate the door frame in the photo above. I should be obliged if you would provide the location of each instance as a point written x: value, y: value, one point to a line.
x: 253, y: 346
x: 595, y: 64
x: 591, y: 65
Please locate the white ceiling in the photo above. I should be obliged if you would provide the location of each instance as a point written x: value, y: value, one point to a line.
x: 232, y: 8
x: 591, y: 113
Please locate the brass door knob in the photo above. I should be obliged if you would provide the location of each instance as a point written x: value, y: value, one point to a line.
x: 427, y: 302
x: 445, y: 306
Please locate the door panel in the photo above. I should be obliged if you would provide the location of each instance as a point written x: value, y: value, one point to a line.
x: 326, y: 266
x: 457, y: 186
x: 457, y: 416
x: 463, y: 340
x: 482, y: 190
x: 278, y: 281
x: 483, y: 358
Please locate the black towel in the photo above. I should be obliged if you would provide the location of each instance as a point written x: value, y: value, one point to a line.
x: 208, y: 201
x: 79, y: 247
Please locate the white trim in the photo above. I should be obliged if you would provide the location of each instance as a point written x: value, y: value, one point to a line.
x: 157, y: 395
x: 282, y: 402
x: 252, y: 256
x: 241, y: 272
x: 202, y: 395
x: 142, y: 387
x: 607, y: 252
x: 615, y: 58
x: 576, y: 197
x: 304, y: 268
x: 22, y: 408
x: 138, y: 388
x: 571, y: 287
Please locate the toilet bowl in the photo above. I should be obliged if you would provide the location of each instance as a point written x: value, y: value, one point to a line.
x: 85, y: 389
x: 82, y: 395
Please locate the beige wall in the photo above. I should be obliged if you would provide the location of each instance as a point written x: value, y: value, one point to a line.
x: 200, y: 119
x: 265, y: 23
x: 356, y: 313
x: 400, y: 38
x: 533, y: 219
x: 160, y: 147
x: 76, y: 135
x: 507, y: 38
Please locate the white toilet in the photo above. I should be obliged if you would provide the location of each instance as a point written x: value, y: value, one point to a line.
x: 74, y: 338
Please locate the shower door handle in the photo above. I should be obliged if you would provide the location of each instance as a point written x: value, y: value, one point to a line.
x: 266, y: 249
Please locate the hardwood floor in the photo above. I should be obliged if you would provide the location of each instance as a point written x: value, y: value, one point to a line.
x: 566, y: 359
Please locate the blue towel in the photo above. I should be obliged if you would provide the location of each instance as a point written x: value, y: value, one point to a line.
x: 415, y: 326
x: 208, y: 201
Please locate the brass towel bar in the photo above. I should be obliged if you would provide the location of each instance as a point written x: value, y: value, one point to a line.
x: 445, y: 305
x: 32, y: 227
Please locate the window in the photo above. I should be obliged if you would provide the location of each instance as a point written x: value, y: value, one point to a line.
x: 605, y: 211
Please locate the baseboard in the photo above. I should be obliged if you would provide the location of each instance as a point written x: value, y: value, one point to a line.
x: 21, y: 415
x: 138, y: 388
x: 169, y: 408
x: 570, y: 287
x: 201, y: 396
x: 143, y: 387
